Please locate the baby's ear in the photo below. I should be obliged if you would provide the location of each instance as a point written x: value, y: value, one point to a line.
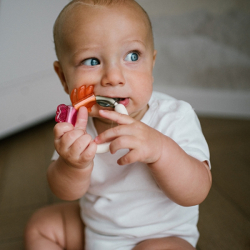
x: 154, y: 57
x: 58, y: 69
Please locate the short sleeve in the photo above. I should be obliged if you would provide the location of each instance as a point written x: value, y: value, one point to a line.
x: 186, y: 131
x: 177, y: 120
x: 190, y: 137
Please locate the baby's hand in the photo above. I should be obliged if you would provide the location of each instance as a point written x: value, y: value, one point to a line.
x: 73, y: 144
x: 143, y: 142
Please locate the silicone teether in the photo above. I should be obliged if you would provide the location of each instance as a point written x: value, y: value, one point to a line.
x: 61, y: 113
x: 66, y: 113
x: 85, y: 97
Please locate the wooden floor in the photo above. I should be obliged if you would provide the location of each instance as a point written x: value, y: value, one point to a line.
x: 224, y: 216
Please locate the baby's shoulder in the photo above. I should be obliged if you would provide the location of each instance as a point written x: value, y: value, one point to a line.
x: 165, y: 110
x: 165, y: 104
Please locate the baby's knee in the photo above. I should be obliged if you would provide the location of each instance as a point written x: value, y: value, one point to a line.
x: 58, y: 226
x: 41, y: 225
x: 35, y: 223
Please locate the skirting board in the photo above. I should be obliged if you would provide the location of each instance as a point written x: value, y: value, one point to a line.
x: 211, y: 102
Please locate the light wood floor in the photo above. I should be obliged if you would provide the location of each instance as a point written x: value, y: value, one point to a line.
x: 224, y: 216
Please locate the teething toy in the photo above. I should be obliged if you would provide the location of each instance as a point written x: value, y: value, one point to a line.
x: 66, y: 113
x: 84, y: 96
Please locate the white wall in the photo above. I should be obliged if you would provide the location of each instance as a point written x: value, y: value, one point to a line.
x: 203, y: 53
x: 177, y: 7
x: 29, y: 89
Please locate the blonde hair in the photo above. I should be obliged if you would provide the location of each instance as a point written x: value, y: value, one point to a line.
x: 71, y: 4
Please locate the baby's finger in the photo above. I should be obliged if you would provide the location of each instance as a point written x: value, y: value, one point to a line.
x: 89, y: 152
x: 113, y: 133
x: 80, y: 144
x: 82, y: 118
x: 116, y: 117
x: 63, y: 144
x: 123, y: 142
x: 61, y: 128
x: 131, y: 157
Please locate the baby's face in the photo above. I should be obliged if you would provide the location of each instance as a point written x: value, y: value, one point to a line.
x: 109, y: 47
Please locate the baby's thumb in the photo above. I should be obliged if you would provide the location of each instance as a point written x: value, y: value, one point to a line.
x: 82, y: 118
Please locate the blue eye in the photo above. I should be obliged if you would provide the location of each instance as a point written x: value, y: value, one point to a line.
x: 133, y: 56
x: 91, y: 62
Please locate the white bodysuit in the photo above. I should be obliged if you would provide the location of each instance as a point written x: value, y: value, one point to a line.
x: 124, y: 205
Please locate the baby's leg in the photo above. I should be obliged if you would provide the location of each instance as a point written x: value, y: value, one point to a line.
x: 168, y: 243
x: 55, y: 227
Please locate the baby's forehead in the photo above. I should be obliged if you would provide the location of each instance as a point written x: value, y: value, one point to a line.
x: 68, y: 17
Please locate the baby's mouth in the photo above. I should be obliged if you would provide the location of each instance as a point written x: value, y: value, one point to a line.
x: 123, y: 101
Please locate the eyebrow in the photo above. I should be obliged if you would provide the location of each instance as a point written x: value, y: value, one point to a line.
x: 84, y: 49
x: 136, y: 41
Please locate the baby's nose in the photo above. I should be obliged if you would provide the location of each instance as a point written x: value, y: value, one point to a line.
x: 113, y: 75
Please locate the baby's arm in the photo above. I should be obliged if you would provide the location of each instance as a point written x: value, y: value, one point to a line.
x: 182, y: 178
x: 69, y: 175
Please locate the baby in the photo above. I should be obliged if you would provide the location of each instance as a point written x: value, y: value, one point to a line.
x: 144, y: 193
